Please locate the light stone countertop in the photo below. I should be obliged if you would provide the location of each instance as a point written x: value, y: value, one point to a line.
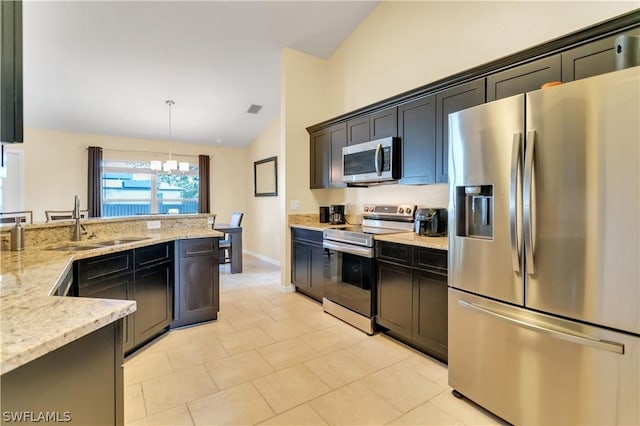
x: 413, y: 239
x: 33, y: 322
x: 410, y: 238
x: 315, y: 226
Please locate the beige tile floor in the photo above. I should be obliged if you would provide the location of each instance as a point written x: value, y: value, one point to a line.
x: 276, y: 358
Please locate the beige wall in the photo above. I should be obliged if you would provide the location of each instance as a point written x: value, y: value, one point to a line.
x: 262, y: 221
x: 402, y: 45
x: 56, y: 168
x: 398, y: 47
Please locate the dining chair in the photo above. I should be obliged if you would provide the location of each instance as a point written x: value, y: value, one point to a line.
x: 63, y: 214
x: 14, y: 217
x: 236, y: 220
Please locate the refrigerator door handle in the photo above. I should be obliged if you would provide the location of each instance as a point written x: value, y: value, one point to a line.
x: 614, y: 347
x: 516, y: 161
x: 527, y: 196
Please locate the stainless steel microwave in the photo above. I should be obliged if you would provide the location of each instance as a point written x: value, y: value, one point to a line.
x: 371, y: 162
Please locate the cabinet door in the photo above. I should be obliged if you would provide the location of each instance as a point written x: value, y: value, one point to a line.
x: 395, y: 299
x: 320, y: 156
x: 11, y: 114
x: 118, y: 287
x: 338, y: 138
x: 448, y: 101
x: 383, y: 124
x: 416, y: 128
x: 358, y: 130
x: 523, y: 78
x: 430, y: 313
x: 198, y: 279
x: 153, y: 292
x: 300, y: 265
x: 597, y: 57
x: 317, y: 262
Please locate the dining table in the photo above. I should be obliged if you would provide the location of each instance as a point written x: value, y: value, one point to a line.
x: 235, y: 240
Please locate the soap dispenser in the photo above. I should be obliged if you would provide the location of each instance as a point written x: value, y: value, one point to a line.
x: 17, y: 236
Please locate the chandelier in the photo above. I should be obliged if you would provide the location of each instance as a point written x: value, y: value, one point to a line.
x: 171, y: 164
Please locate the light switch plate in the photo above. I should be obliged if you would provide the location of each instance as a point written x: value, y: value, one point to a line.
x: 153, y: 224
x: 295, y: 204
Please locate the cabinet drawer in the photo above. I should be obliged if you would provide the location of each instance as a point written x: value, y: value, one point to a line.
x: 306, y: 235
x: 198, y: 247
x: 146, y: 256
x: 430, y: 259
x: 393, y: 252
x: 98, y: 268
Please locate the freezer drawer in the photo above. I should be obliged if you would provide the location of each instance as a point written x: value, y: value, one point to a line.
x: 530, y: 368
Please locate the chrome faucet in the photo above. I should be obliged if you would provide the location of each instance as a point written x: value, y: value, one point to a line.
x: 78, y: 229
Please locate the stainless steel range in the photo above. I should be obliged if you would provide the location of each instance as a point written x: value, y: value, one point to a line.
x: 349, y: 273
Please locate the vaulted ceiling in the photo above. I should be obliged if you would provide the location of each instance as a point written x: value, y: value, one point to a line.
x: 108, y: 67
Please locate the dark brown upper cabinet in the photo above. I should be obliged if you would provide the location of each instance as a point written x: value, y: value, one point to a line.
x: 358, y: 130
x: 417, y: 131
x: 597, y: 57
x: 326, y: 157
x: 383, y: 124
x: 320, y: 157
x: 523, y: 78
x: 448, y: 101
x: 11, y: 110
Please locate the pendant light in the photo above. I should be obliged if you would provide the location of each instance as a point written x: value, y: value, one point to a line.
x: 170, y: 165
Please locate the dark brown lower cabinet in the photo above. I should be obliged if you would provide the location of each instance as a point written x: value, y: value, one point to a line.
x: 197, y: 293
x: 395, y: 298
x: 145, y: 275
x: 430, y: 313
x: 412, y: 300
x: 118, y: 287
x: 154, y: 296
x: 307, y: 262
x: 80, y: 383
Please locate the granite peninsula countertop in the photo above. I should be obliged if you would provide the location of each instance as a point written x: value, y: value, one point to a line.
x: 33, y: 322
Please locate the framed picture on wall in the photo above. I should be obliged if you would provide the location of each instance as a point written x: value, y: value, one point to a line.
x: 265, y: 177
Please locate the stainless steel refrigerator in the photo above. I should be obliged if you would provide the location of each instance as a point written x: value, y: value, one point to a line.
x: 544, y: 275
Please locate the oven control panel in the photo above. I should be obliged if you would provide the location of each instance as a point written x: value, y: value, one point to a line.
x: 405, y: 211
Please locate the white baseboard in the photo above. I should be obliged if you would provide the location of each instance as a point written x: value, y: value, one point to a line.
x: 287, y: 289
x: 262, y: 257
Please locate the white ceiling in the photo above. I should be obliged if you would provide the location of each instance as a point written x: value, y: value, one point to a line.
x: 108, y: 67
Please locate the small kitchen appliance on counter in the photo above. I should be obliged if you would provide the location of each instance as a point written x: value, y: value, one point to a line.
x: 431, y: 222
x: 336, y: 214
x: 324, y: 214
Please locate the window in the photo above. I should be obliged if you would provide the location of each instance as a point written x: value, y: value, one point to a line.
x: 131, y: 187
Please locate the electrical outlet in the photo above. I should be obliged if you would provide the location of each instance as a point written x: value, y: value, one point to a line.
x: 210, y: 220
x: 295, y: 204
x: 153, y: 224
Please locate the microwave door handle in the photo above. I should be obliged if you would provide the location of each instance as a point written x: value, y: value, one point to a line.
x: 378, y: 159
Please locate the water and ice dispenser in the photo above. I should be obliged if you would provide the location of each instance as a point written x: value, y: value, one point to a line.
x: 474, y: 211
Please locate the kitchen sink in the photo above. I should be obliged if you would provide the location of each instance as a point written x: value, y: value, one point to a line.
x: 75, y: 248
x: 119, y: 241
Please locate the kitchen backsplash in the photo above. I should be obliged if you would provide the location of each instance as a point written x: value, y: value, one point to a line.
x: 49, y: 234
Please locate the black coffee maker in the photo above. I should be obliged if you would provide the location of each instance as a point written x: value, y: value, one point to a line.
x: 336, y: 214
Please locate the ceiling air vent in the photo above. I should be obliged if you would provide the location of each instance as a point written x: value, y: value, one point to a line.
x: 254, y: 109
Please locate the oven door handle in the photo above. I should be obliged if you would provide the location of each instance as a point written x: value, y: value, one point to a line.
x: 349, y: 248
